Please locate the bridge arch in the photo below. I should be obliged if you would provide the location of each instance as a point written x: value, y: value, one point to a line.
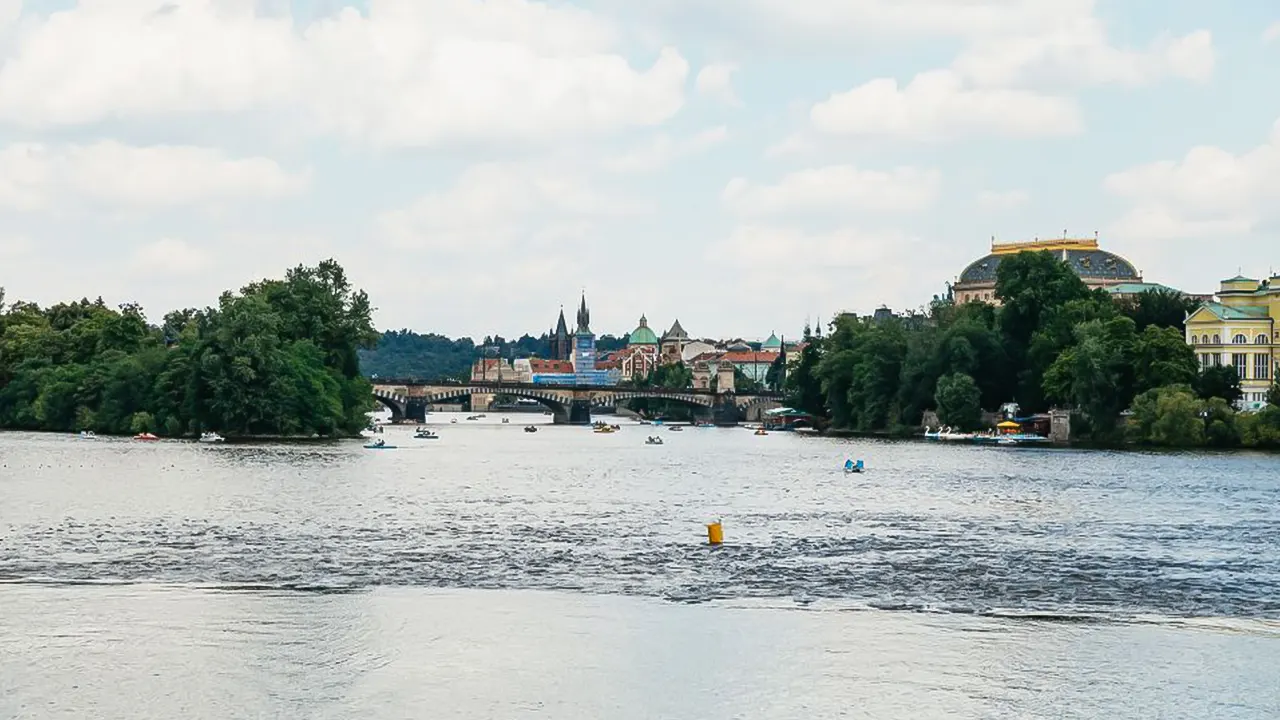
x: 395, y: 402
x: 558, y: 405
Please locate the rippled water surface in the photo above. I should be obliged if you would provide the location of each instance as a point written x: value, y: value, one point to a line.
x: 944, y: 582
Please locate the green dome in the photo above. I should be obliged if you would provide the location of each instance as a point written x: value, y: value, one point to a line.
x: 773, y: 343
x: 642, y: 335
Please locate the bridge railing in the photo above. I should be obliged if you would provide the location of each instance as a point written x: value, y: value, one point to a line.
x: 411, y: 382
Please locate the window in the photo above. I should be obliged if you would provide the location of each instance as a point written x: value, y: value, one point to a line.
x: 1204, y: 339
x: 1239, y: 339
x: 1217, y: 339
x: 1193, y: 339
x: 1204, y: 361
x: 1241, y: 363
x: 1260, y: 340
x: 1261, y: 367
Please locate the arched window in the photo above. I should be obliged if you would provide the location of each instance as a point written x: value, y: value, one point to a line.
x: 1217, y: 339
x: 1260, y: 340
x: 1204, y: 339
x: 1193, y: 339
x: 1239, y: 339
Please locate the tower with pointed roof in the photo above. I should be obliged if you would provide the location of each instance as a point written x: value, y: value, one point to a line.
x: 584, y: 341
x: 673, y: 342
x: 561, y: 341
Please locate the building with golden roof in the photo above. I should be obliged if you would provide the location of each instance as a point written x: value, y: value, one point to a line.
x: 1095, y: 266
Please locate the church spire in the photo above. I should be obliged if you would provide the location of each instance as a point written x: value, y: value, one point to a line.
x: 562, y: 327
x: 584, y: 316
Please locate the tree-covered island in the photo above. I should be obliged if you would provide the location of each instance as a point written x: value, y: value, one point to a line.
x: 278, y: 358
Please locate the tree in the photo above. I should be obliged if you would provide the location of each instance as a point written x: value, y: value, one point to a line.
x: 1273, y: 395
x: 1220, y: 423
x: 1161, y: 307
x: 1168, y: 416
x: 1032, y: 287
x: 1219, y: 381
x: 803, y: 385
x: 1096, y: 375
x: 959, y: 399
x: 1162, y: 357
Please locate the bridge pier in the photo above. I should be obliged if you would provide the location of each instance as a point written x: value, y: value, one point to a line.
x: 726, y: 412
x: 579, y: 412
x: 416, y: 410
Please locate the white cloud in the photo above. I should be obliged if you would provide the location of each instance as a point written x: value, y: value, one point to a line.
x: 1272, y: 33
x: 1080, y: 54
x: 836, y: 187
x: 1209, y: 191
x: 502, y: 207
x: 35, y: 176
x: 406, y: 73
x: 1006, y: 82
x: 1002, y: 199
x: 716, y: 80
x: 169, y: 256
x: 841, y: 18
x: 9, y: 12
x: 937, y: 105
x: 663, y: 150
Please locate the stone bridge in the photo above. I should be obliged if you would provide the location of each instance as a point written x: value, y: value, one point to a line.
x: 569, y: 404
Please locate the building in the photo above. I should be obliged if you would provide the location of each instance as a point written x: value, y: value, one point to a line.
x: 672, y: 344
x: 492, y: 370
x: 1096, y: 267
x: 1130, y: 291
x: 1241, y: 328
x: 561, y: 345
x: 640, y: 357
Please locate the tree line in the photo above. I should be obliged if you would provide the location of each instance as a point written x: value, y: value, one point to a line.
x: 430, y: 356
x: 1123, y: 365
x: 277, y: 358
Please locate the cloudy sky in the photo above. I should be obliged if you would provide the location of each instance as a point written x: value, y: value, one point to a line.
x: 739, y: 164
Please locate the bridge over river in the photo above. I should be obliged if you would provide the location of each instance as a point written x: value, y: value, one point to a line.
x: 569, y: 404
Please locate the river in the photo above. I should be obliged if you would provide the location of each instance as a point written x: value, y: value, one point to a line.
x: 495, y: 573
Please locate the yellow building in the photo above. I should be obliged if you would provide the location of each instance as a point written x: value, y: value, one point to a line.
x: 1096, y: 267
x: 1241, y: 329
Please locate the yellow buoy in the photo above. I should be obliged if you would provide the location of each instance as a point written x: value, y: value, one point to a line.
x: 715, y: 533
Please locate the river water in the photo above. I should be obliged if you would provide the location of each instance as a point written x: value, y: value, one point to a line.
x: 495, y: 573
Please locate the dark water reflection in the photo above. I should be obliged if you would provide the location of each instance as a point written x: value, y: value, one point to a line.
x: 329, y: 581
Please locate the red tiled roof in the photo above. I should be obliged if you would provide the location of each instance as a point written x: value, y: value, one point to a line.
x: 539, y: 365
x: 747, y: 357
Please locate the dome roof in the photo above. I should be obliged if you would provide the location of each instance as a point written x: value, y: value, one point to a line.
x: 1088, y: 264
x: 642, y: 335
x: 773, y: 343
x: 739, y: 347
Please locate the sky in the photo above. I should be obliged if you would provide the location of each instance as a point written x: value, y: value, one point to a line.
x: 742, y: 166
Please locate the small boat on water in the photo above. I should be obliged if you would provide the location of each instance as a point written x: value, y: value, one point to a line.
x: 604, y: 430
x: 454, y: 421
x: 676, y: 428
x: 88, y: 435
x: 473, y: 417
x: 653, y: 441
x: 211, y: 437
x: 853, y: 467
x: 761, y: 431
x: 530, y: 428
x: 379, y: 444
x: 425, y: 434
x: 145, y: 436
x: 506, y: 421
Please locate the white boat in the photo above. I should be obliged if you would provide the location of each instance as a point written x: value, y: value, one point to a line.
x: 88, y: 435
x: 211, y: 437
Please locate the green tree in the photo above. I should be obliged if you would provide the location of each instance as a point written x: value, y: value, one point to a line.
x: 1096, y: 374
x: 803, y: 385
x: 1220, y: 423
x: 1162, y: 357
x: 1160, y: 307
x: 958, y: 400
x: 1260, y: 429
x: 1032, y: 286
x: 1168, y: 416
x: 1219, y: 381
x: 1273, y: 395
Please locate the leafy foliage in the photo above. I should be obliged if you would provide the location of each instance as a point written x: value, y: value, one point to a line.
x: 280, y: 357
x: 959, y: 401
x: 1219, y: 381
